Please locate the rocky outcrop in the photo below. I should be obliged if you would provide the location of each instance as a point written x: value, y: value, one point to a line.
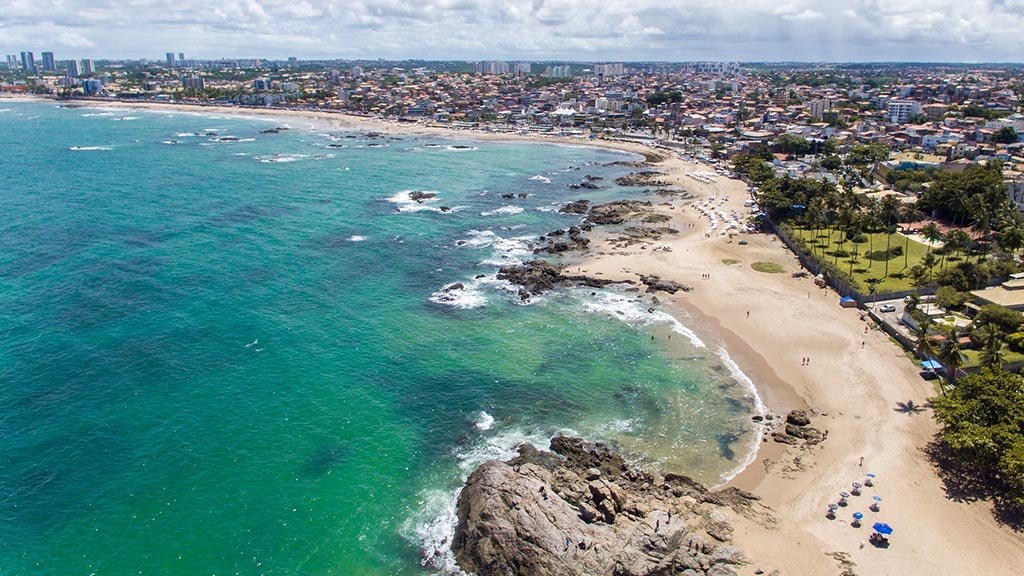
x: 798, y: 430
x: 538, y: 276
x: 563, y: 241
x: 617, y: 212
x: 656, y: 284
x: 576, y: 207
x: 421, y: 196
x: 581, y: 509
x: 643, y: 178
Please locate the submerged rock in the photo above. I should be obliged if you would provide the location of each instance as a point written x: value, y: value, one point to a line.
x: 581, y: 509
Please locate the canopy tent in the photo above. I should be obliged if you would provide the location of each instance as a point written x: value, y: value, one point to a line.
x: 931, y: 365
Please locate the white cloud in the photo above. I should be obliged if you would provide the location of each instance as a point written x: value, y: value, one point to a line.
x: 531, y: 29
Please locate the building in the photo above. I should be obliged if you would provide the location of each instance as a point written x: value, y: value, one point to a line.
x: 48, y: 62
x: 558, y: 71
x: 181, y: 59
x: 491, y: 67
x: 901, y: 111
x: 73, y: 71
x: 28, y: 62
x: 609, y: 70
x: 293, y: 61
x: 522, y: 68
x: 171, y: 62
x: 357, y: 71
x: 12, y: 61
x: 88, y: 67
x: 91, y: 86
x: 261, y: 84
x: 714, y: 67
x: 193, y: 82
x: 1009, y: 294
x: 818, y: 107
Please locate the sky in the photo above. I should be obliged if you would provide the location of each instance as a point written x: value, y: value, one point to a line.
x: 583, y: 30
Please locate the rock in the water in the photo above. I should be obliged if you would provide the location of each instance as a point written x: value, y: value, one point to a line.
x: 617, y: 212
x: 538, y: 276
x: 421, y: 196
x: 581, y: 509
x: 576, y: 207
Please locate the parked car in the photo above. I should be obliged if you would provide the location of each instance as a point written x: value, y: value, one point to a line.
x: 888, y: 308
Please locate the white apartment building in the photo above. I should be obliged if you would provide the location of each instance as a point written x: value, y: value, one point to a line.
x: 901, y: 111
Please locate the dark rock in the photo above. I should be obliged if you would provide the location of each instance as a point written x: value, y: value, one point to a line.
x: 421, y: 196
x: 577, y: 207
x: 798, y: 418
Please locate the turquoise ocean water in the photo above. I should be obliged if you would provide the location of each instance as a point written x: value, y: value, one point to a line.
x: 223, y: 351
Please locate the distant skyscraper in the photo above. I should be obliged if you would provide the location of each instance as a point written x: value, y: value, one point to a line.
x: 28, y: 61
x: 292, y: 61
x: 48, y: 61
x: 73, y: 71
x: 170, y: 59
x: 88, y: 66
x: 92, y: 86
x: 12, y: 61
x: 181, y: 58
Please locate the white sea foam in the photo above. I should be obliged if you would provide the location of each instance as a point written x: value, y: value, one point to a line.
x: 432, y: 525
x: 186, y: 134
x: 484, y: 421
x: 406, y: 204
x: 633, y: 311
x: 357, y: 238
x: 743, y: 379
x: 469, y: 296
x: 540, y: 178
x: 126, y: 118
x: 506, y: 250
x: 460, y: 148
x: 281, y: 158
x: 507, y: 209
x: 90, y: 148
x: 92, y: 114
x: 170, y: 142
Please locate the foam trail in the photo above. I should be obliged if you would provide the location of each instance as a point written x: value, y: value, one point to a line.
x: 737, y: 373
x: 484, y: 422
x: 631, y: 311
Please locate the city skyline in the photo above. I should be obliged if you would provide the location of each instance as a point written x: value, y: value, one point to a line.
x: 538, y: 30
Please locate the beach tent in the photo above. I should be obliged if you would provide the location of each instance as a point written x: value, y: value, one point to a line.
x: 931, y: 365
x: 847, y: 302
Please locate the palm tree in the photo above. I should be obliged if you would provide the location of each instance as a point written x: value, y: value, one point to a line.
x: 1011, y: 231
x: 951, y: 355
x: 932, y: 234
x: 889, y: 210
x: 993, y: 355
x: 982, y: 216
x: 923, y: 346
x: 909, y: 213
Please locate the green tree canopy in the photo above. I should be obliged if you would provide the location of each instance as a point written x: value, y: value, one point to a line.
x: 982, y: 421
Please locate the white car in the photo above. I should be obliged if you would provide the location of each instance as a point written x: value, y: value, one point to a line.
x: 888, y: 308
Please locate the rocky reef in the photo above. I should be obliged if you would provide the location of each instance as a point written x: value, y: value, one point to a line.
x: 581, y: 509
x: 537, y: 276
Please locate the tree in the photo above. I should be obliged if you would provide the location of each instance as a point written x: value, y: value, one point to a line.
x: 1004, y: 320
x: 982, y: 422
x: 950, y: 353
x: 1005, y: 135
x: 888, y: 211
x: 994, y: 355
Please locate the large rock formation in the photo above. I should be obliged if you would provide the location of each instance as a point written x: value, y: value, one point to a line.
x: 581, y: 510
x: 538, y: 276
x: 618, y: 211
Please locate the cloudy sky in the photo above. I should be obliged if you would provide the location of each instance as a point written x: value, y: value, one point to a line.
x: 751, y: 30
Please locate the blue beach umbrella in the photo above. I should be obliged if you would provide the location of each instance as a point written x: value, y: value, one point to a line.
x: 876, y: 498
x: 858, y: 516
x: 882, y: 528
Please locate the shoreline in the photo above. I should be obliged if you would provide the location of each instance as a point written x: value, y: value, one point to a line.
x: 852, y: 387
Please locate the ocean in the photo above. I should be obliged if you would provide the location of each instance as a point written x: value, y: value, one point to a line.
x: 225, y: 350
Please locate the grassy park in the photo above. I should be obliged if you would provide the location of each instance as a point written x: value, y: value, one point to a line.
x: 831, y: 246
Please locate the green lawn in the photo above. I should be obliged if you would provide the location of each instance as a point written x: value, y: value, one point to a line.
x: 768, y: 267
x: 828, y: 242
x: 972, y: 358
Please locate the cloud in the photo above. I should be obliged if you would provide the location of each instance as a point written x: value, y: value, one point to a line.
x: 529, y: 29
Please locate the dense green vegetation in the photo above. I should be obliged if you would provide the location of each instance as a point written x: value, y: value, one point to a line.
x: 982, y: 421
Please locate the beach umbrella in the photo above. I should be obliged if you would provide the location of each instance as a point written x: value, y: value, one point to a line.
x: 874, y: 505
x: 882, y: 528
x: 858, y: 516
x: 870, y: 479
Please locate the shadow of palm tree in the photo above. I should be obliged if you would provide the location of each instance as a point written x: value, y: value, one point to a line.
x: 909, y: 408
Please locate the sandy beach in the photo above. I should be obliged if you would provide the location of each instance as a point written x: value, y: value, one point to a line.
x: 855, y: 387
